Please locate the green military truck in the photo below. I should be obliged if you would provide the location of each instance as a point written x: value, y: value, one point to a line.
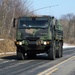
x: 38, y: 34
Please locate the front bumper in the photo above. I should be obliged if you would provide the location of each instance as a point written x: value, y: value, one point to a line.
x: 33, y: 45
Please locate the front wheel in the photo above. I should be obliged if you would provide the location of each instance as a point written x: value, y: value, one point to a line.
x: 59, y: 52
x: 52, y: 52
x: 20, y: 55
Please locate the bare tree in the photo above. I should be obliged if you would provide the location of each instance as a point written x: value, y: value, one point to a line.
x: 68, y: 22
x: 10, y: 9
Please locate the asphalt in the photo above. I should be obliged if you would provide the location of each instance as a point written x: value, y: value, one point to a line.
x: 40, y: 65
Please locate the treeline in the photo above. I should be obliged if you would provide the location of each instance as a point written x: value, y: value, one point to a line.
x: 68, y: 22
x: 10, y: 9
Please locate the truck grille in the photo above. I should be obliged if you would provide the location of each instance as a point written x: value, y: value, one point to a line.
x: 32, y: 39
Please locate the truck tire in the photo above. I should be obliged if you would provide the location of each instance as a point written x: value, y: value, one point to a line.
x: 52, y: 52
x: 59, y: 51
x: 20, y: 55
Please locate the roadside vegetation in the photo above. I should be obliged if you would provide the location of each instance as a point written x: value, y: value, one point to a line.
x: 68, y: 22
x: 7, y: 45
x: 8, y: 10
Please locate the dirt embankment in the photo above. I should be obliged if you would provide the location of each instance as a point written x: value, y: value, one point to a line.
x: 7, y: 45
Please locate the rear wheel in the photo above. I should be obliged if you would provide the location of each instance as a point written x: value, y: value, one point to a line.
x: 52, y: 52
x: 20, y: 55
x: 59, y: 52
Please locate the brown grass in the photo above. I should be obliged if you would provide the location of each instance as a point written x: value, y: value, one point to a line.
x: 7, y: 45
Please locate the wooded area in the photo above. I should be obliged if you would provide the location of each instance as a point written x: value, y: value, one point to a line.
x: 10, y: 9
x: 68, y: 22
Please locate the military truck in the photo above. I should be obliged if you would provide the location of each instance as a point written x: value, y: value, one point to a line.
x: 38, y: 34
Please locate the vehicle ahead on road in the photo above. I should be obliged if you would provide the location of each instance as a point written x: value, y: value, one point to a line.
x: 38, y: 34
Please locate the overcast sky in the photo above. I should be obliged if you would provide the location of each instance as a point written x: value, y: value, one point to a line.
x: 65, y: 7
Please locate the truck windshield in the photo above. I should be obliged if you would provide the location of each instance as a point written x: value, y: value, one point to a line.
x: 33, y: 23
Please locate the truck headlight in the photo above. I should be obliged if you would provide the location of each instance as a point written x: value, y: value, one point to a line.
x: 45, y: 43
x: 20, y: 43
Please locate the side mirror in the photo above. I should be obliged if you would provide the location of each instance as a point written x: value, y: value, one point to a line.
x: 14, y: 22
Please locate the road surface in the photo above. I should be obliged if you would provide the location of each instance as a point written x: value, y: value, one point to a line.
x: 40, y: 65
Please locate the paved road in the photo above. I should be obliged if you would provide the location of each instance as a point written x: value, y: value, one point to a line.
x: 40, y: 65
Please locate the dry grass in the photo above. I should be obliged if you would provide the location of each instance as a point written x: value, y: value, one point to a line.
x: 70, y: 41
x: 7, y: 45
